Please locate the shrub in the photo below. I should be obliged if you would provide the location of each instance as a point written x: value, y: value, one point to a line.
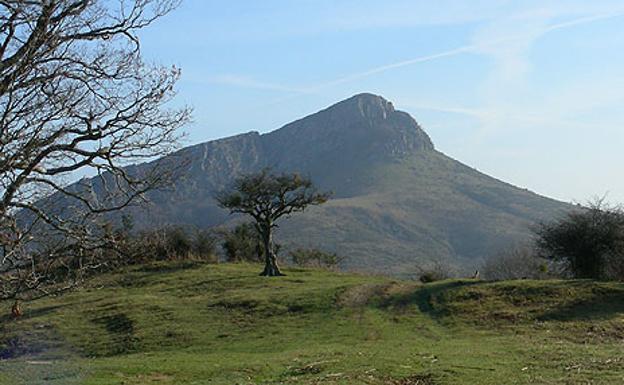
x: 177, y: 243
x: 315, y: 258
x: 519, y: 262
x: 242, y: 244
x: 436, y: 271
x: 431, y: 276
x: 590, y: 241
x: 172, y: 243
x: 204, y: 244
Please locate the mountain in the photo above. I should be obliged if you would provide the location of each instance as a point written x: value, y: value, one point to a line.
x: 397, y: 203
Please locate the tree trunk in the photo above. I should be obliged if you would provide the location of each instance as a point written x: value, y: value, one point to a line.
x: 271, y: 269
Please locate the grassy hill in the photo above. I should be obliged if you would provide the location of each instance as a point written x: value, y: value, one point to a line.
x: 181, y: 323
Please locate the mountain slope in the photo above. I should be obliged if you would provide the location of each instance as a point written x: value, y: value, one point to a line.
x: 397, y: 200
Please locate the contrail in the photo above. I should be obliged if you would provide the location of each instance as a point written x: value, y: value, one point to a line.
x: 582, y: 20
x: 387, y: 67
x: 457, y: 51
x: 480, y: 114
x: 422, y: 59
x: 247, y: 82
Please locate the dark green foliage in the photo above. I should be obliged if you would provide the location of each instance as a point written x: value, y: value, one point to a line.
x: 242, y: 244
x: 315, y: 258
x: 431, y: 276
x: 437, y: 271
x: 269, y: 196
x: 589, y: 240
x: 204, y: 243
x: 177, y: 243
x: 181, y: 243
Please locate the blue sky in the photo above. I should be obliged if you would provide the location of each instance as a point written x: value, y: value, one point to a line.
x: 531, y: 92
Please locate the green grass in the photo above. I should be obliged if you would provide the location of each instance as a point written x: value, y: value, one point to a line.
x: 181, y: 323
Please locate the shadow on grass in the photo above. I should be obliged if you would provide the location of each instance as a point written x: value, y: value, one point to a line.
x: 169, y: 267
x: 566, y: 300
x: 604, y: 304
x: 121, y: 331
x: 145, y: 275
x: 216, y: 285
x: 428, y: 298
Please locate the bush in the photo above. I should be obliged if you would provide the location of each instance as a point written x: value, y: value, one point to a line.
x: 177, y: 243
x: 123, y: 248
x: 520, y: 262
x: 172, y: 243
x: 437, y: 271
x: 242, y: 244
x: 431, y: 276
x: 204, y: 244
x: 590, y: 241
x: 315, y: 258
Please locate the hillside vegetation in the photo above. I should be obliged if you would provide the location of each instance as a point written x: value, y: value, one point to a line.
x: 185, y: 323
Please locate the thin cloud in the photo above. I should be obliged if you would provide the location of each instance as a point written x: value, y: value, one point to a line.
x: 391, y: 66
x: 523, y: 118
x: 513, y: 60
x: 470, y: 48
x: 477, y: 113
x: 458, y: 51
x: 247, y: 82
x: 581, y: 21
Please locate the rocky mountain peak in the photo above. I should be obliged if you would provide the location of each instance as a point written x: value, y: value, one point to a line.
x: 362, y: 127
x: 365, y: 105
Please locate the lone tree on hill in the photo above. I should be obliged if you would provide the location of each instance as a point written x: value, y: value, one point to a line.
x: 267, y: 197
x: 74, y: 95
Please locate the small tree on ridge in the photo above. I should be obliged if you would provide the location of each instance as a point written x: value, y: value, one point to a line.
x: 267, y: 197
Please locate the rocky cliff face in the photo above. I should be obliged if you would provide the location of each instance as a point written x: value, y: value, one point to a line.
x: 363, y: 127
x: 329, y: 145
x: 397, y: 201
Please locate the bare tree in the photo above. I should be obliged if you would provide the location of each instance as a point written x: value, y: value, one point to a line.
x: 75, y: 95
x: 518, y: 262
x: 267, y: 197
